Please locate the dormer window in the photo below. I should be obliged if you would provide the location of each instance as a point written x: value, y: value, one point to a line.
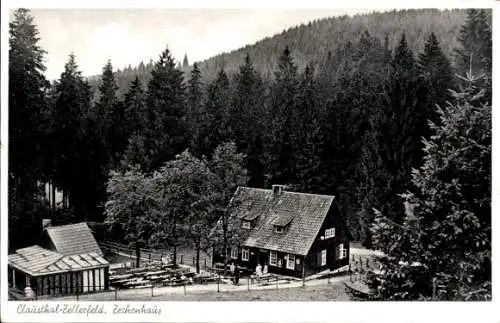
x: 246, y: 225
x: 281, y: 222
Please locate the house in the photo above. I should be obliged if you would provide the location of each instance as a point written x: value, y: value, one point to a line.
x: 66, y: 260
x: 295, y: 234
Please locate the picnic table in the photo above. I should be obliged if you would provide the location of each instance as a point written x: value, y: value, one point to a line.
x: 120, y: 277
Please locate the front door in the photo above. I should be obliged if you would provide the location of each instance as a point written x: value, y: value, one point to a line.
x: 263, y: 257
x: 252, y: 261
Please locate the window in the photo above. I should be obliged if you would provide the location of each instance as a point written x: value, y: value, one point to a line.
x: 279, y: 229
x: 329, y: 233
x: 323, y: 257
x: 290, y: 264
x: 246, y: 225
x: 342, y: 251
x: 234, y: 253
x: 273, y: 258
x: 245, y: 254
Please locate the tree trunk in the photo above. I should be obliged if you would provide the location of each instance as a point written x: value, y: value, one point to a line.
x: 53, y: 189
x: 175, y: 243
x: 198, y: 247
x: 174, y: 256
x: 137, y: 254
x: 225, y: 247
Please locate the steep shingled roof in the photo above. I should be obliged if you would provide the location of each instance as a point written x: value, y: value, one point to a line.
x: 304, y: 214
x: 73, y: 239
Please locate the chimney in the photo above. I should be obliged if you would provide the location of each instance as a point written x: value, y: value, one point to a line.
x: 45, y: 223
x: 277, y: 189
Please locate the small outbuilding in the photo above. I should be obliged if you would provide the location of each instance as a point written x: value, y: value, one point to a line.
x: 67, y: 260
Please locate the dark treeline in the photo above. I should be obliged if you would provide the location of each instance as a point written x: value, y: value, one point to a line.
x: 348, y: 121
x: 312, y: 41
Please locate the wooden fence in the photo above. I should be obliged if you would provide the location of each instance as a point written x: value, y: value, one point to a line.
x: 150, y: 255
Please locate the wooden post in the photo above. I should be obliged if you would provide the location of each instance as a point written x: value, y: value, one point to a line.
x: 185, y: 288
x: 152, y: 286
x: 276, y: 282
x: 116, y: 294
x: 433, y: 288
x: 303, y: 274
x: 248, y: 283
x: 218, y: 281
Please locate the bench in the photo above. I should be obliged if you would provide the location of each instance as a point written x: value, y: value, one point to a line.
x: 264, y: 278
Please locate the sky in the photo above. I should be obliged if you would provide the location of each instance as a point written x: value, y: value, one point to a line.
x: 128, y: 36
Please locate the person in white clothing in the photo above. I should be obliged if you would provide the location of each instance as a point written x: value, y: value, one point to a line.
x: 258, y: 270
x: 265, y: 269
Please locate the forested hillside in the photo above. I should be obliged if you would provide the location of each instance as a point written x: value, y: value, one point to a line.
x: 311, y: 42
x: 365, y: 108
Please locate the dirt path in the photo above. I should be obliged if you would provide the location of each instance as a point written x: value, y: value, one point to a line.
x: 145, y: 293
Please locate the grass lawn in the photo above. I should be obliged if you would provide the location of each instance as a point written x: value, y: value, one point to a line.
x: 334, y: 292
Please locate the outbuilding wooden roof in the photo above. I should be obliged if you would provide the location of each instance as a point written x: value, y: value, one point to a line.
x: 37, y: 261
x: 302, y: 214
x: 73, y: 239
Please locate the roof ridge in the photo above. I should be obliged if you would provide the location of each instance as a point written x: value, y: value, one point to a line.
x: 285, y: 191
x: 55, y: 227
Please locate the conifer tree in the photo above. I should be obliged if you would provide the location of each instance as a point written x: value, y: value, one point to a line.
x: 436, y: 78
x: 72, y: 131
x: 29, y: 122
x: 134, y: 108
x: 474, y: 53
x: 215, y: 114
x: 283, y: 101
x: 109, y: 118
x: 397, y: 124
x: 165, y: 133
x: 195, y: 109
x: 245, y: 109
x: 246, y: 118
x: 442, y: 250
x: 308, y: 133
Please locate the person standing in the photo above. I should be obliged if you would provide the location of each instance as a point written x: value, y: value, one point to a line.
x: 231, y: 271
x: 236, y: 274
x: 258, y: 270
